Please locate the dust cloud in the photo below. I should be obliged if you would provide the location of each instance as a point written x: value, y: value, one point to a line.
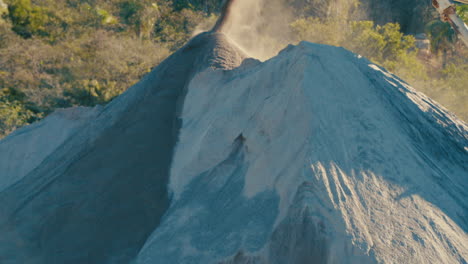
x: 260, y: 27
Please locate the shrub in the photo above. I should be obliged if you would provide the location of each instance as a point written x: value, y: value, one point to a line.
x: 14, y: 112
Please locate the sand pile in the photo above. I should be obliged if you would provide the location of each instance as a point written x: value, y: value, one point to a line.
x: 314, y: 156
x: 91, y: 191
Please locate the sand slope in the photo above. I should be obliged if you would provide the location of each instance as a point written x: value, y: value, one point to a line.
x: 315, y: 156
x: 97, y: 196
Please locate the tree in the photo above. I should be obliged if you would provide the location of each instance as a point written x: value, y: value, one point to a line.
x: 462, y: 11
x: 26, y: 19
x: 443, y: 38
x: 14, y: 111
x: 207, y: 6
x: 140, y: 15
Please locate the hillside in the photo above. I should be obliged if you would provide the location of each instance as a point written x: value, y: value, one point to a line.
x: 57, y: 54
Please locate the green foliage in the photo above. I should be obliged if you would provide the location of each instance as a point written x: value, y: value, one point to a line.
x: 130, y: 10
x: 105, y: 17
x: 175, y: 28
x: 3, y: 10
x: 131, y: 14
x: 91, y: 92
x: 462, y: 11
x: 87, y: 70
x: 155, y: 19
x: 58, y: 53
x: 318, y: 30
x: 14, y: 111
x: 27, y: 20
x: 385, y: 45
x: 443, y: 37
x: 208, y: 6
x: 367, y: 40
x: 330, y: 9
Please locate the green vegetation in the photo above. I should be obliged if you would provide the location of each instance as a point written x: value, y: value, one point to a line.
x: 60, y: 53
x: 462, y: 11
x: 56, y: 54
x: 14, y: 112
